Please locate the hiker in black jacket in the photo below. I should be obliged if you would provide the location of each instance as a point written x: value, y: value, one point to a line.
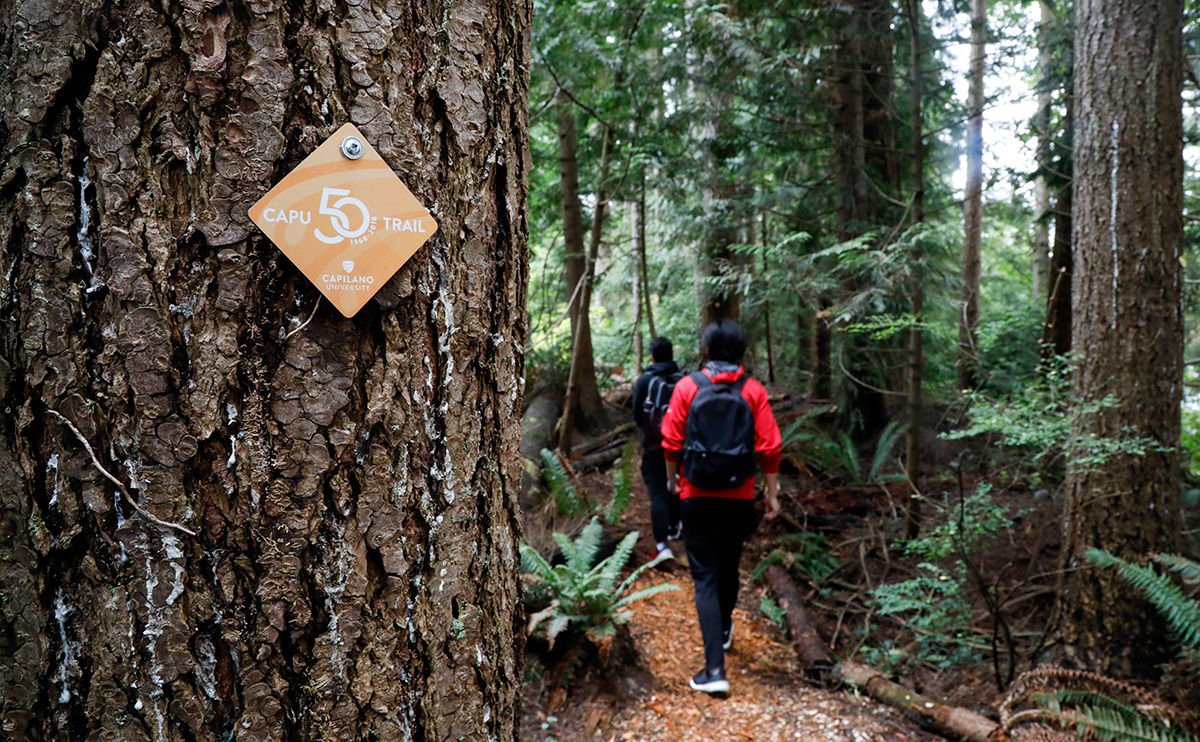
x: 657, y: 381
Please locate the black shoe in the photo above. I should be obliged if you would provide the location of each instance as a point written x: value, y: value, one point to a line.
x: 710, y: 681
x: 675, y: 532
x: 727, y: 638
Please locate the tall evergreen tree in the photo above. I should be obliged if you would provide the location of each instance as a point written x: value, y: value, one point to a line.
x: 220, y: 520
x: 1128, y: 321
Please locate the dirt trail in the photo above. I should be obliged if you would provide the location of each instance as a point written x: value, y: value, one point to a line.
x: 768, y: 699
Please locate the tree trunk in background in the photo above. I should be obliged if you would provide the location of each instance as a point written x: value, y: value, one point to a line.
x: 1056, y: 340
x: 865, y: 167
x: 767, y: 304
x: 1041, y: 183
x: 582, y: 406
x: 635, y: 273
x: 967, y: 366
x: 916, y: 347
x: 332, y: 476
x: 1128, y: 222
x: 641, y: 247
x: 588, y: 410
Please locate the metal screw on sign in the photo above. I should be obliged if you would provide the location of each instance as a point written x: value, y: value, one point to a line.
x: 352, y: 148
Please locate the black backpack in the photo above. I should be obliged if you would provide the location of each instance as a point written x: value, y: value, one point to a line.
x: 654, y: 406
x: 718, y: 442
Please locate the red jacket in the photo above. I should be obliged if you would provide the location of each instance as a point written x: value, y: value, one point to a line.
x: 767, y: 440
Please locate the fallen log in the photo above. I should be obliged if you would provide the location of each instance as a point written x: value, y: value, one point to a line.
x: 618, y: 433
x: 817, y: 660
x: 948, y: 721
x: 597, y: 460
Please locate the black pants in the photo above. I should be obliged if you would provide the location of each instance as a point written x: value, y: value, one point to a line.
x: 664, y: 505
x: 714, y: 529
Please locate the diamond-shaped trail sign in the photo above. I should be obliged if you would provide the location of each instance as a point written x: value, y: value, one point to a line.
x: 345, y: 219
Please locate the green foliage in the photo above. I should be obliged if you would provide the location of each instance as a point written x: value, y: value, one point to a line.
x: 1037, y: 420
x: 1181, y: 613
x: 1100, y: 717
x: 567, y: 499
x: 837, y: 455
x: 804, y: 552
x: 936, y: 602
x: 622, y: 483
x: 774, y: 613
x: 585, y: 597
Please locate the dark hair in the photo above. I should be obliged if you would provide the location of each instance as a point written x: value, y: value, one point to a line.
x: 724, y: 341
x: 661, y: 349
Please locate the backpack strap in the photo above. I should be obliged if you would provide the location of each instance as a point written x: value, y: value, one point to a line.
x: 701, y: 379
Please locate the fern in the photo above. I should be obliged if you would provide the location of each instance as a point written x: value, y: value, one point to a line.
x: 1180, y: 613
x: 774, y: 612
x: 622, y: 484
x: 558, y: 483
x: 1108, y: 724
x: 883, y: 450
x: 583, y: 597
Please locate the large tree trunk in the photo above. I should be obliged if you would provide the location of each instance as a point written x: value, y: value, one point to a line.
x: 1128, y: 320
x: 324, y: 478
x: 916, y: 339
x: 588, y: 410
x: 967, y: 365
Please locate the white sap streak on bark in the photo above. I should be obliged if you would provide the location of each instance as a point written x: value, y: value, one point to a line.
x: 1112, y: 224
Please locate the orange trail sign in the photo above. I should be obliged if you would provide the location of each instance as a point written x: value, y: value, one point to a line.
x: 345, y: 219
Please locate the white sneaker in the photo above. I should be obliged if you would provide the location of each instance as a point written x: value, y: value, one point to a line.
x: 664, y: 552
x: 728, y: 636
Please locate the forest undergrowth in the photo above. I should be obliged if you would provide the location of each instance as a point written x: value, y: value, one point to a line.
x: 956, y: 614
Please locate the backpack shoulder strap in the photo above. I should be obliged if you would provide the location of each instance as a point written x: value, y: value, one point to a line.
x: 741, y: 383
x: 701, y: 379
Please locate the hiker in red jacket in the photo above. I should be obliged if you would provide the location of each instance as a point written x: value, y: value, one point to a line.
x: 718, y: 423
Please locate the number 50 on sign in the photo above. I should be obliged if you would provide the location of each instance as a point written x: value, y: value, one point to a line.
x: 347, y: 224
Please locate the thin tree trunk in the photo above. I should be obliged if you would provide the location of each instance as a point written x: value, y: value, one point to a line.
x: 1057, y: 337
x: 1041, y: 187
x: 916, y: 352
x: 767, y: 304
x: 322, y: 474
x: 587, y: 409
x: 581, y: 383
x: 636, y: 285
x: 1129, y: 323
x: 641, y: 210
x: 967, y: 366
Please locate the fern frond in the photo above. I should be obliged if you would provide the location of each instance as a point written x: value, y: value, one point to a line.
x: 646, y: 592
x: 1182, y: 566
x: 534, y: 563
x: 633, y: 577
x: 1111, y: 725
x: 587, y: 547
x: 610, y: 568
x: 1180, y: 613
x: 883, y: 450
x: 622, y: 484
x: 559, y: 484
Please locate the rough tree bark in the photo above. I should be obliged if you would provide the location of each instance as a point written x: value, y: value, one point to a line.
x: 1128, y: 322
x: 345, y: 565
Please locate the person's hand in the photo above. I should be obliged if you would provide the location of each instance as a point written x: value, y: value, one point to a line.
x: 772, y: 510
x: 675, y: 488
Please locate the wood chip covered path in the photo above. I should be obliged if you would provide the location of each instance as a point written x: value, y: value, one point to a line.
x: 768, y: 700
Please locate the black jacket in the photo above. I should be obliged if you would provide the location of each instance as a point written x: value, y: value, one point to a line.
x: 662, y: 368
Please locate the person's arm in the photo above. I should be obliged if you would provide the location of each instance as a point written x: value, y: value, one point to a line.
x: 772, y: 495
x: 672, y: 467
